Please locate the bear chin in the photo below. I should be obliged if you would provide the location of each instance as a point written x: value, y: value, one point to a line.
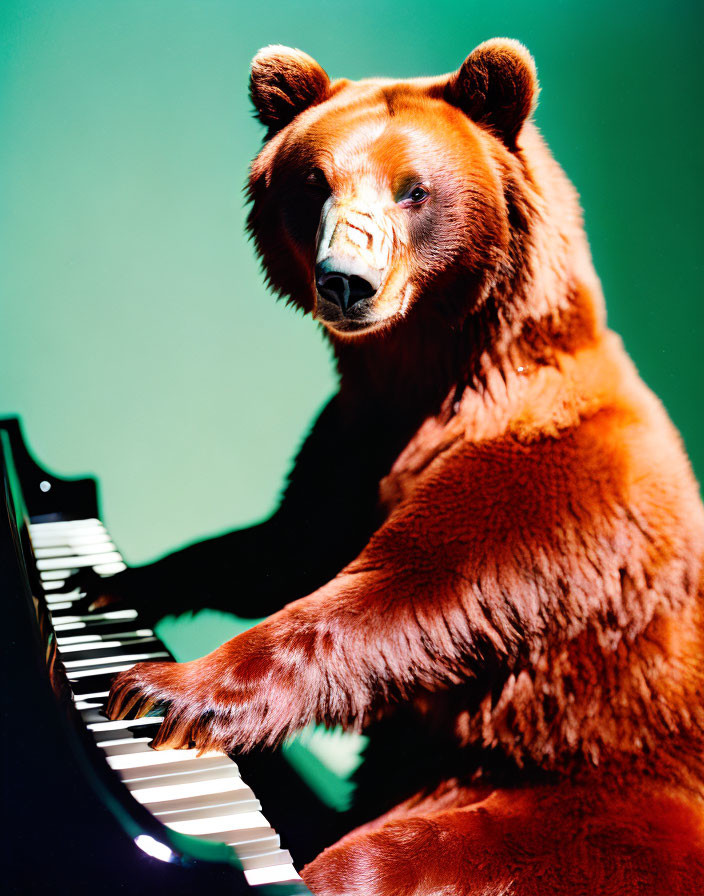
x: 361, y: 322
x: 346, y: 327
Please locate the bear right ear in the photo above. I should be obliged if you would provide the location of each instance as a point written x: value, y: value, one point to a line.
x: 282, y: 83
x: 497, y: 86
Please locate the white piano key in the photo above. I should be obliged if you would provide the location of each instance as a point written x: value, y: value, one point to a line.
x: 123, y: 724
x: 196, y: 826
x: 71, y: 552
x: 121, y: 734
x: 225, y: 781
x: 63, y: 640
x: 268, y: 859
x: 245, y: 837
x: 53, y: 586
x: 64, y: 597
x: 203, y: 807
x: 67, y: 525
x: 87, y: 704
x: 231, y: 792
x: 47, y: 530
x: 105, y: 628
x: 105, y: 631
x: 55, y: 526
x: 51, y: 575
x: 93, y: 618
x: 175, y: 771
x: 159, y: 757
x: 103, y: 656
x: 60, y: 626
x: 105, y: 644
x: 76, y: 562
x: 85, y: 534
x: 95, y: 695
x: 58, y: 539
x: 132, y: 658
x: 91, y: 645
x: 107, y: 739
x: 94, y: 714
x: 66, y: 640
x: 109, y: 569
x: 72, y: 595
x: 123, y: 745
x: 247, y: 849
x: 195, y: 774
x: 75, y: 674
x: 63, y: 605
x: 66, y: 548
x: 278, y: 874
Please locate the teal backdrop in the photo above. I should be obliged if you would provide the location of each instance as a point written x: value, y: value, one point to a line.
x: 137, y: 339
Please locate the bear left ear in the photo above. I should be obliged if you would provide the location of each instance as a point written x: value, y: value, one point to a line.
x: 496, y: 86
x: 283, y: 82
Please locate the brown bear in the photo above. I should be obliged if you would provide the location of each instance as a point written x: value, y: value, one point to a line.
x: 493, y: 525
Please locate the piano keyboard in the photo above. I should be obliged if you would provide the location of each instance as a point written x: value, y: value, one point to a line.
x: 203, y: 796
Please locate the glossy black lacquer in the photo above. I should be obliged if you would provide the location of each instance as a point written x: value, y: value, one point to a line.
x: 45, y: 495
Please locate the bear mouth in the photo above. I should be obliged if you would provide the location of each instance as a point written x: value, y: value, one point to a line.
x: 356, y: 320
x: 376, y: 313
x: 346, y: 327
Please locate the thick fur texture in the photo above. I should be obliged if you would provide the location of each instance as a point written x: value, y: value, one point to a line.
x: 493, y: 523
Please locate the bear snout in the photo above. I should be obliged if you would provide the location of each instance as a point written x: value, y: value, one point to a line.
x: 343, y: 287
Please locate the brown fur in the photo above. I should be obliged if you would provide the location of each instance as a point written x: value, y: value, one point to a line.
x: 531, y: 575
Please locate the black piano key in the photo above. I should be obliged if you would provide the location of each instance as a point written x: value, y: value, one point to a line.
x: 92, y: 684
x: 86, y: 667
x: 121, y: 746
x: 89, y: 637
x: 113, y: 734
x: 103, y: 630
x: 64, y: 620
x: 109, y: 650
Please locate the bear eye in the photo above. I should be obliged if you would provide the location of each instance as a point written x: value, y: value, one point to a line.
x: 415, y: 196
x: 316, y: 181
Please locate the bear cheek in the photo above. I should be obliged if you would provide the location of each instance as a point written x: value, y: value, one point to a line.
x: 284, y: 233
x: 300, y: 217
x: 483, y: 236
x: 400, y: 289
x: 287, y: 264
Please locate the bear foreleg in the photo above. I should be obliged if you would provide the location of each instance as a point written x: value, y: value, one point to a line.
x: 551, y: 841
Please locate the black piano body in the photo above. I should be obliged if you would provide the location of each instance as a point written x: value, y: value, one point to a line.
x: 70, y: 824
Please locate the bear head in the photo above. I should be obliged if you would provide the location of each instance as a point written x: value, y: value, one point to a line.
x: 378, y: 202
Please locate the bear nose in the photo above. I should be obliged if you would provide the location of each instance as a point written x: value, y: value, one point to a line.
x: 341, y: 288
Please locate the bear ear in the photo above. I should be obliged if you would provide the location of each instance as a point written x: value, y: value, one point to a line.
x: 496, y: 86
x: 282, y: 83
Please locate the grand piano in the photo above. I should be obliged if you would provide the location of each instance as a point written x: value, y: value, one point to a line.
x: 88, y: 806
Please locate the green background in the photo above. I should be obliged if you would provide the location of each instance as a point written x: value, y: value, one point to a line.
x: 137, y: 339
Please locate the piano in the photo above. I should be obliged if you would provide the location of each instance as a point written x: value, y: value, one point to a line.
x: 91, y: 807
